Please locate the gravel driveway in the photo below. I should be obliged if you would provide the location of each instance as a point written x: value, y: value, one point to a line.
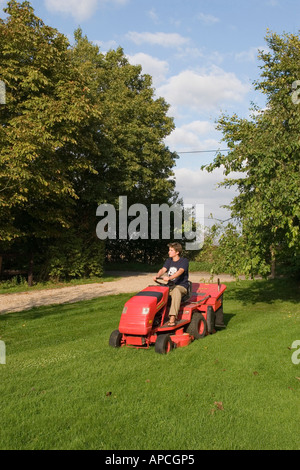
x: 128, y: 282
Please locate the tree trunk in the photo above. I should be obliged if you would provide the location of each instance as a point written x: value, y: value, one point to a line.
x: 30, y: 271
x: 273, y: 263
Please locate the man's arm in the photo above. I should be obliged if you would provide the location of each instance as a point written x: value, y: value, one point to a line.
x: 160, y: 273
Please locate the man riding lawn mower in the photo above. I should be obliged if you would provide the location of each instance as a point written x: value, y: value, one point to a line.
x: 173, y: 313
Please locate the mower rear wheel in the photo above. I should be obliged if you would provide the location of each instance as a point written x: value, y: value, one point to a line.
x: 115, y: 339
x: 163, y: 344
x: 198, y: 326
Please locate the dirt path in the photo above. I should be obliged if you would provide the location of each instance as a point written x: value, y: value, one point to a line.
x: 129, y: 282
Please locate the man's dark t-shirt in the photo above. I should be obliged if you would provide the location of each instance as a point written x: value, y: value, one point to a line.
x: 172, y: 268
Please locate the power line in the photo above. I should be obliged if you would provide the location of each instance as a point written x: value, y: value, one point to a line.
x: 205, y: 151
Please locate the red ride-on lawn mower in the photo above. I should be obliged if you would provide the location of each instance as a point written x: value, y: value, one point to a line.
x: 144, y: 320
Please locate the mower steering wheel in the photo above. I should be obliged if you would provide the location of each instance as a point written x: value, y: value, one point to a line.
x: 165, y: 283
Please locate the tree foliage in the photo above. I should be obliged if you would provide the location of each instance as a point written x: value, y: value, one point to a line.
x: 79, y: 128
x: 265, y: 151
x: 40, y: 126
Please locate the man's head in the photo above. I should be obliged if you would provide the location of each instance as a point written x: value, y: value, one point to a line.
x: 175, y: 247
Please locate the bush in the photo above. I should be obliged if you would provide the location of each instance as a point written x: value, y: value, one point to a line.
x: 73, y: 257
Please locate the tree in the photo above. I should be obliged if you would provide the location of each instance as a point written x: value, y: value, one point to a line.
x: 129, y: 154
x: 46, y: 108
x: 79, y: 128
x: 265, y: 150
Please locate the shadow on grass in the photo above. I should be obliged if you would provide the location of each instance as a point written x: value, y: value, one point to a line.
x: 227, y: 318
x: 269, y: 291
x: 76, y: 308
x: 38, y: 312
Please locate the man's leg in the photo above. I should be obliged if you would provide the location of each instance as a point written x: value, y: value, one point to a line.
x: 176, y: 294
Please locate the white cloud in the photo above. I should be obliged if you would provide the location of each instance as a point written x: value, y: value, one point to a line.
x: 153, y: 15
x: 79, y: 9
x: 106, y: 45
x: 158, y: 39
x: 195, y: 136
x: 150, y: 65
x: 200, y: 187
x: 207, y: 19
x: 189, y: 53
x: 205, y: 91
x: 250, y: 55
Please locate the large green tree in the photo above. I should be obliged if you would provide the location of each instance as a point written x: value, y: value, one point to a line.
x: 129, y: 153
x: 265, y: 150
x: 79, y: 128
x: 40, y: 126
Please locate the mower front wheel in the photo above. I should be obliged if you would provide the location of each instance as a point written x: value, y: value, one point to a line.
x: 115, y: 339
x: 163, y: 344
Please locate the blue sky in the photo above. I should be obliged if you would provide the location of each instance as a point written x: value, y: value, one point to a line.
x: 202, y: 56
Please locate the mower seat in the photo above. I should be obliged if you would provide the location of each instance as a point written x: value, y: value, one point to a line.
x: 188, y: 294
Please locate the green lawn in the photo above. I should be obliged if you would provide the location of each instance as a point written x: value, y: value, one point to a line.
x: 63, y: 387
